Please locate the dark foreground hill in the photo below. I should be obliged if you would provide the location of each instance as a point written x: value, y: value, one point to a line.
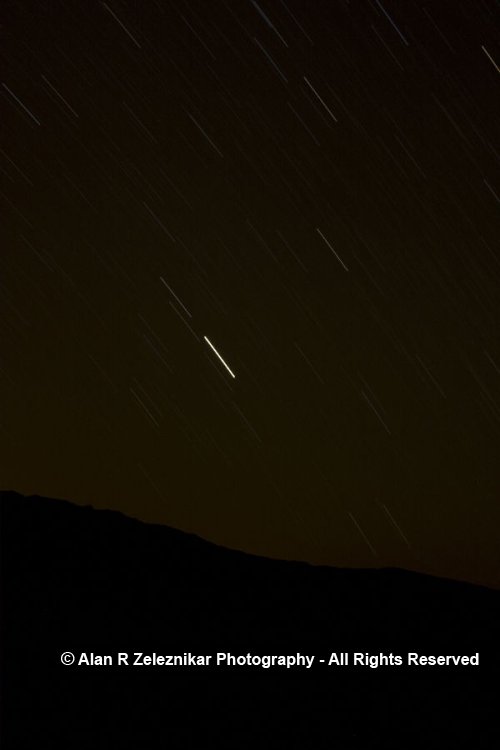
x: 96, y: 582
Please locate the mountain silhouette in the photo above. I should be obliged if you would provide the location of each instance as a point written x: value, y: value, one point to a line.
x: 84, y: 580
x: 92, y: 573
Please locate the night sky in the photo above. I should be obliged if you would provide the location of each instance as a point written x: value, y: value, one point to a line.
x: 250, y: 273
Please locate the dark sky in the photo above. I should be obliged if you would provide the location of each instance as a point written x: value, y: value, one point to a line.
x: 312, y: 186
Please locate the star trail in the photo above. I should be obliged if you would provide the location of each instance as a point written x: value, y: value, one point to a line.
x: 250, y: 273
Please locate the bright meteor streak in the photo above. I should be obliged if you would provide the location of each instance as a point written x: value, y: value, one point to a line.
x: 217, y: 353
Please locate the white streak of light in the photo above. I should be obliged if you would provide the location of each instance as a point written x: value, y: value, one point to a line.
x: 490, y: 58
x: 217, y: 353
